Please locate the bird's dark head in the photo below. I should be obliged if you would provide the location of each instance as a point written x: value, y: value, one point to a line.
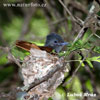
x: 55, y: 41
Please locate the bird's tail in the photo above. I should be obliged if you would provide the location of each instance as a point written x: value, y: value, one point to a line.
x: 27, y: 46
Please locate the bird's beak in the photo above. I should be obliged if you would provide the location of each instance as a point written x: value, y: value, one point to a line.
x: 61, y: 44
x: 64, y: 43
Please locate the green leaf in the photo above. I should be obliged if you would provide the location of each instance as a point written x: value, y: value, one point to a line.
x: 38, y: 43
x: 97, y: 49
x: 3, y: 59
x: 60, y: 94
x: 89, y: 85
x: 19, y: 53
x: 97, y: 59
x: 90, y: 64
x: 82, y: 64
x: 72, y: 47
x: 50, y: 98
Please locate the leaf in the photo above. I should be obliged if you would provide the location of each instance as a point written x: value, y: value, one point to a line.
x: 79, y: 44
x: 90, y: 64
x: 82, y: 64
x: 89, y: 85
x: 50, y: 98
x: 97, y: 59
x: 19, y: 53
x: 3, y: 59
x: 97, y: 49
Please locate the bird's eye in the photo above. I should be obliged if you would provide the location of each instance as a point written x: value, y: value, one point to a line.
x: 55, y: 41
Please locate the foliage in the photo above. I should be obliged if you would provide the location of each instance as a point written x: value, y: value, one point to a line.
x: 85, y: 51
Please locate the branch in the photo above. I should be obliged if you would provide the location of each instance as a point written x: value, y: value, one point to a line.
x: 88, y: 21
x: 10, y: 57
x: 67, y: 10
x: 74, y: 73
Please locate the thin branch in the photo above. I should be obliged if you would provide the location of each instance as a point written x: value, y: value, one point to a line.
x: 78, y: 6
x: 79, y: 34
x: 64, y: 84
x: 10, y: 56
x: 58, y: 21
x: 97, y: 36
x: 67, y: 10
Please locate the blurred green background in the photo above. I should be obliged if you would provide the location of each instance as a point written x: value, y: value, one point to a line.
x: 33, y: 24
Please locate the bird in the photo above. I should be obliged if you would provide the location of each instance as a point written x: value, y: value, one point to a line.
x: 53, y: 42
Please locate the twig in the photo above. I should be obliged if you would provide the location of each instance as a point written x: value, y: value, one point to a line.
x: 78, y: 6
x: 67, y: 10
x: 88, y: 21
x: 79, y: 34
x: 28, y: 15
x: 10, y: 56
x: 97, y: 36
x: 72, y: 17
x: 58, y: 21
x: 64, y: 84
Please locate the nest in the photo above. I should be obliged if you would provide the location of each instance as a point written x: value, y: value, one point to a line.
x: 36, y: 66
